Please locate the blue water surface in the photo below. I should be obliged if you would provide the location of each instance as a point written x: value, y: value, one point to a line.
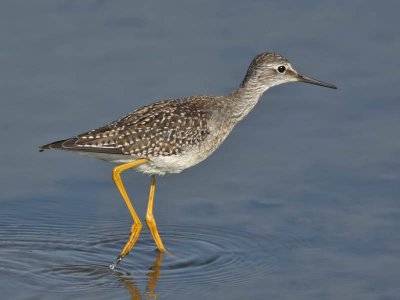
x: 300, y: 202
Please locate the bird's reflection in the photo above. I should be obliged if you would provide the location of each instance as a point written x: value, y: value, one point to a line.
x: 151, y: 281
x: 152, y: 277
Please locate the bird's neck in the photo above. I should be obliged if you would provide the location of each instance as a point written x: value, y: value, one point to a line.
x: 243, y: 99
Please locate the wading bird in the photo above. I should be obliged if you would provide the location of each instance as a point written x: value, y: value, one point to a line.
x: 175, y: 134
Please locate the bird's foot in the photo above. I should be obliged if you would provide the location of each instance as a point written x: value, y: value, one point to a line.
x: 116, y: 262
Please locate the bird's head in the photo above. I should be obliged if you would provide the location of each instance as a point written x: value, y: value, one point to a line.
x: 269, y: 69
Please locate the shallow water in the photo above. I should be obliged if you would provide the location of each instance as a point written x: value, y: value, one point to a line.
x: 73, y: 259
x: 300, y: 202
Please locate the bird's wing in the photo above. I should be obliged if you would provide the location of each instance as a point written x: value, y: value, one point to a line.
x: 166, y: 128
x: 162, y: 128
x: 102, y: 140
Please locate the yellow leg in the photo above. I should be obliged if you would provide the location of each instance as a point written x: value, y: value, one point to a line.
x: 137, y: 224
x: 150, y: 221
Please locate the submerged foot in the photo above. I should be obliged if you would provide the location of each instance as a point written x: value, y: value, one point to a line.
x: 116, y: 262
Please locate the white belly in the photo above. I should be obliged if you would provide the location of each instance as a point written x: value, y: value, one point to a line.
x: 158, y: 165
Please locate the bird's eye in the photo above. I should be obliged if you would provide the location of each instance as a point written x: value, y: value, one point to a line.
x: 281, y: 69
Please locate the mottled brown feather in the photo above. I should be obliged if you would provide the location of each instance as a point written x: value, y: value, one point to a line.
x: 162, y: 128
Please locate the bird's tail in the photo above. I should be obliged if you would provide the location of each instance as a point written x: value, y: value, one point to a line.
x: 54, y: 145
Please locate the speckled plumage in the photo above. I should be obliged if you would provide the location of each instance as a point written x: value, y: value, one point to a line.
x: 163, y: 128
x: 178, y: 133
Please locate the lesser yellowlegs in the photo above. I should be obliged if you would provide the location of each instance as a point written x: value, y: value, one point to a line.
x: 175, y: 134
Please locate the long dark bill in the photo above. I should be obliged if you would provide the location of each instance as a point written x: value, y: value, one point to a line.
x: 303, y: 78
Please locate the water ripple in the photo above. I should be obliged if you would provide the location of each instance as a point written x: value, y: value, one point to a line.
x: 77, y: 257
